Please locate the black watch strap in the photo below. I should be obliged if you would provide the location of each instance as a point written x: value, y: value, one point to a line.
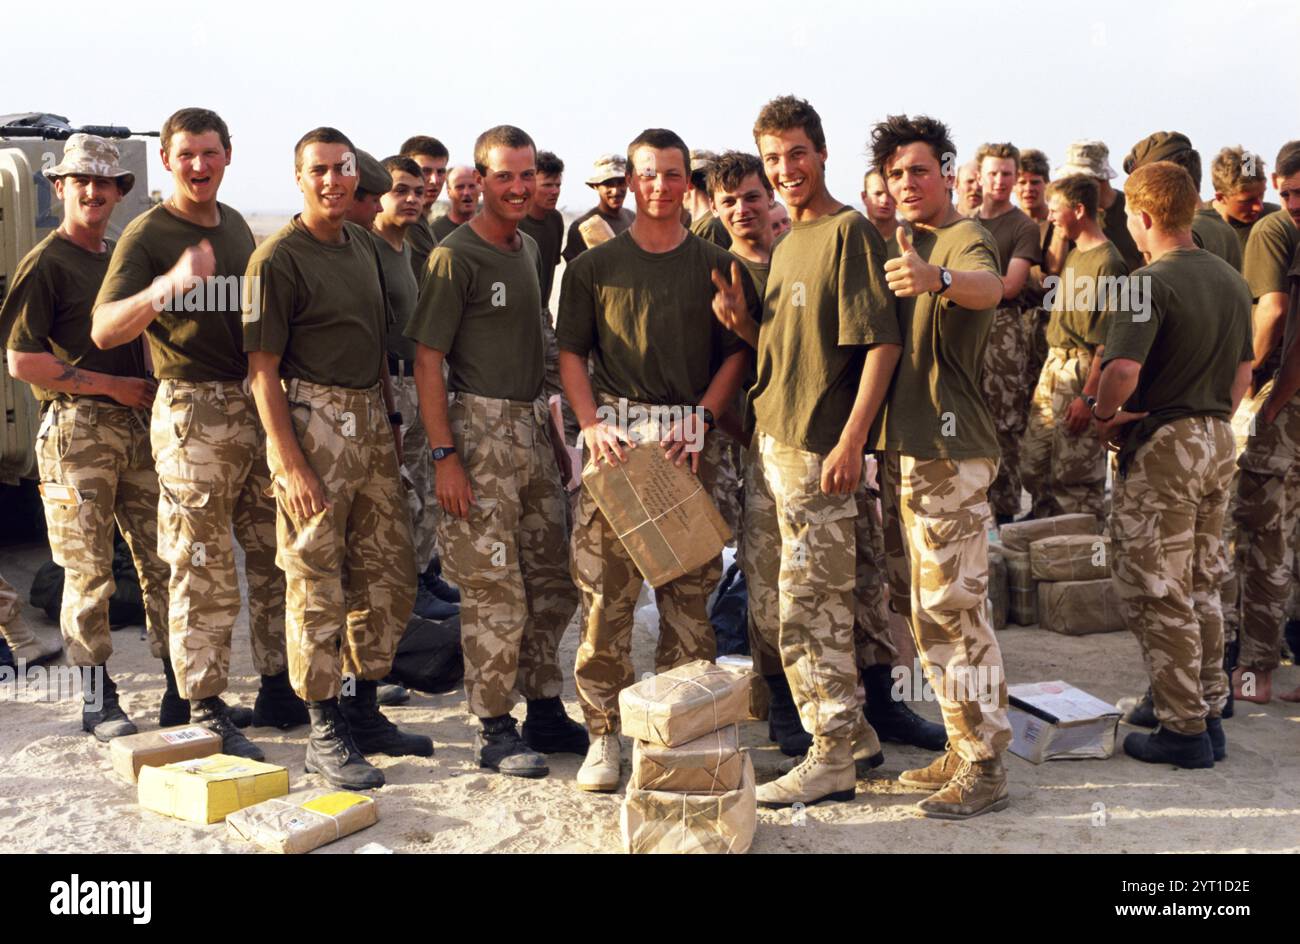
x: 442, y: 452
x: 395, y: 418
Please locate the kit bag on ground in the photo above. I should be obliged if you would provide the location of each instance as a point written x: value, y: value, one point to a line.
x: 429, y: 657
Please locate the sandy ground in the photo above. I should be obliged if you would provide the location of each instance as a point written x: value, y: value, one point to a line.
x: 58, y: 793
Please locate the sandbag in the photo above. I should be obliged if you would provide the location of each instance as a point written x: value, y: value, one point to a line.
x: 429, y: 656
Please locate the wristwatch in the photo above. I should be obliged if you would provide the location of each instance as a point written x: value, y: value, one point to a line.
x: 1092, y: 408
x: 395, y: 418
x: 442, y: 452
x: 709, y: 421
x: 945, y: 280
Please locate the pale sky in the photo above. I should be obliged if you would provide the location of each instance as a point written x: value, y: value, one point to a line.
x: 585, y: 78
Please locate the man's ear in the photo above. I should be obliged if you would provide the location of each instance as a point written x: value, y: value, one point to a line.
x: 166, y: 163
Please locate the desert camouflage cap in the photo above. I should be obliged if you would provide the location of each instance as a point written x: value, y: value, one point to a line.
x: 375, y: 178
x: 1090, y: 158
x: 93, y: 156
x: 607, y: 167
x: 1161, y: 146
x: 701, y: 159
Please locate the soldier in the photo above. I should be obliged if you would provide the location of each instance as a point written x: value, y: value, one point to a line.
x: 93, y: 447
x: 780, y: 218
x: 1008, y: 354
x: 1093, y: 158
x: 704, y: 222
x: 879, y: 205
x: 1030, y: 190
x: 1063, y: 466
x: 315, y: 329
x: 373, y: 181
x: 463, y: 187
x: 655, y: 273
x: 970, y: 192
x: 1268, y: 497
x: 1174, y: 369
x: 609, y: 179
x: 431, y: 156
x: 1240, y: 181
x: 175, y: 275
x: 940, y: 451
x: 497, y: 475
x: 1031, y: 186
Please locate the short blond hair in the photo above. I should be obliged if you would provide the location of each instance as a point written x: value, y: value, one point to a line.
x: 1235, y: 168
x: 1165, y: 192
x: 1003, y: 151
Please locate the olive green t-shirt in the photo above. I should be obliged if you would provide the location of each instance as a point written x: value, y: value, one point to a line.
x: 1091, y: 288
x: 710, y: 227
x: 1243, y: 230
x: 322, y: 307
x: 826, y: 301
x: 47, y: 311
x: 1017, y: 237
x: 419, y: 236
x: 575, y: 245
x: 1114, y: 223
x: 1212, y: 234
x: 479, y: 306
x: 194, y: 343
x: 1189, y: 333
x: 756, y: 273
x: 646, y: 318
x: 548, y: 233
x: 935, y: 408
x: 1268, y: 254
x: 401, y: 291
x: 443, y: 227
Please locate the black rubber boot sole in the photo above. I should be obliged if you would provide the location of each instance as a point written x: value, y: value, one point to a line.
x: 839, y: 796
x: 1155, y: 749
x: 347, y: 783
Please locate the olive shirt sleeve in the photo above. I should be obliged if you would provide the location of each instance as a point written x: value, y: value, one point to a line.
x: 131, y: 268
x: 868, y: 309
x: 1268, y: 257
x: 443, y: 299
x: 1130, y: 336
x: 276, y: 282
x: 28, y: 314
x: 1103, y: 311
x: 575, y: 326
x: 1027, y: 244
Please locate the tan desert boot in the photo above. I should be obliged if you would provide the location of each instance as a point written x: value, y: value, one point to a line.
x: 978, y: 787
x: 867, y: 753
x: 825, y: 773
x: 599, y: 772
x: 942, y: 769
x: 26, y: 645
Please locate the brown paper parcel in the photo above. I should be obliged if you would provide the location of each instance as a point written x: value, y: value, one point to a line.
x: 660, y: 511
x: 708, y: 764
x: 1018, y: 535
x: 160, y: 748
x: 655, y: 821
x: 304, y: 822
x: 760, y: 696
x: 1080, y: 607
x: 1022, y: 589
x: 1070, y: 557
x: 684, y: 703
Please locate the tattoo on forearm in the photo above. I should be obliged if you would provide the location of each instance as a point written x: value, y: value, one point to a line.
x: 72, y: 376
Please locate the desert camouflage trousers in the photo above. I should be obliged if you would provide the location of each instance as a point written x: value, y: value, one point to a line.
x: 812, y: 566
x: 1267, y: 515
x: 1166, y: 528
x: 99, y: 453
x: 936, y: 520
x: 1006, y: 390
x: 610, y: 584
x: 508, y: 557
x: 210, y: 454
x: 350, y: 569
x: 11, y: 611
x: 729, y: 493
x: 417, y: 463
x: 1243, y: 424
x: 1064, y: 473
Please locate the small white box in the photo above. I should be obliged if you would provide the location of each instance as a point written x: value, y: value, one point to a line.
x: 1056, y: 721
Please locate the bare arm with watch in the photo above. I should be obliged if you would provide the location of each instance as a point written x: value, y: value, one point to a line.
x: 909, y: 275
x: 1119, y: 378
x: 451, y: 484
x: 700, y: 421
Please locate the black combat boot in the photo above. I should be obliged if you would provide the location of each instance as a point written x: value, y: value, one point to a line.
x: 333, y: 754
x: 392, y: 692
x: 783, y: 724
x: 1291, y: 633
x: 1190, y: 751
x: 892, y: 718
x: 108, y: 720
x: 214, y: 714
x: 372, y: 732
x: 277, y: 706
x: 1230, y: 652
x: 1218, y: 743
x: 1139, y: 712
x: 174, y: 709
x: 548, y: 729
x: 497, y: 746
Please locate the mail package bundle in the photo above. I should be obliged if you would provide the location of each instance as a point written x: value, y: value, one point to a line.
x: 1080, y: 607
x: 208, y: 789
x: 760, y: 696
x: 656, y: 821
x: 159, y: 748
x: 1018, y: 535
x: 709, y: 764
x: 1056, y: 721
x: 1070, y: 557
x: 660, y: 511
x: 301, y: 823
x: 684, y: 703
x: 1022, y: 588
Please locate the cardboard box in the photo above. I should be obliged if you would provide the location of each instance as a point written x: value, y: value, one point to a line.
x: 1080, y: 607
x: 1056, y: 721
x: 660, y: 511
x: 209, y: 789
x: 1022, y: 589
x: 159, y: 748
x: 1018, y: 535
x: 684, y: 703
x: 709, y: 764
x: 655, y: 821
x: 999, y: 595
x: 595, y: 230
x: 760, y: 696
x: 304, y: 822
x: 1070, y: 557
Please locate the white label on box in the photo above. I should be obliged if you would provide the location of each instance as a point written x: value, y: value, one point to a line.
x: 184, y: 735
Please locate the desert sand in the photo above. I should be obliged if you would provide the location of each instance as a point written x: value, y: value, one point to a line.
x: 58, y: 793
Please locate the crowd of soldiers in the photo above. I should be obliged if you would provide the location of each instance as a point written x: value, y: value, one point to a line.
x: 363, y: 401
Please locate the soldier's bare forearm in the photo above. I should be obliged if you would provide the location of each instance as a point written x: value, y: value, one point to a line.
x: 48, y: 372
x: 725, y: 384
x: 1267, y: 324
x: 873, y: 386
x: 273, y: 408
x: 432, y: 391
x: 1094, y: 372
x: 1241, y: 383
x: 1119, y: 379
x: 121, y: 322
x: 577, y: 387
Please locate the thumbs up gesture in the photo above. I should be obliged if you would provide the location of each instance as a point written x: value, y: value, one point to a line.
x: 909, y: 275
